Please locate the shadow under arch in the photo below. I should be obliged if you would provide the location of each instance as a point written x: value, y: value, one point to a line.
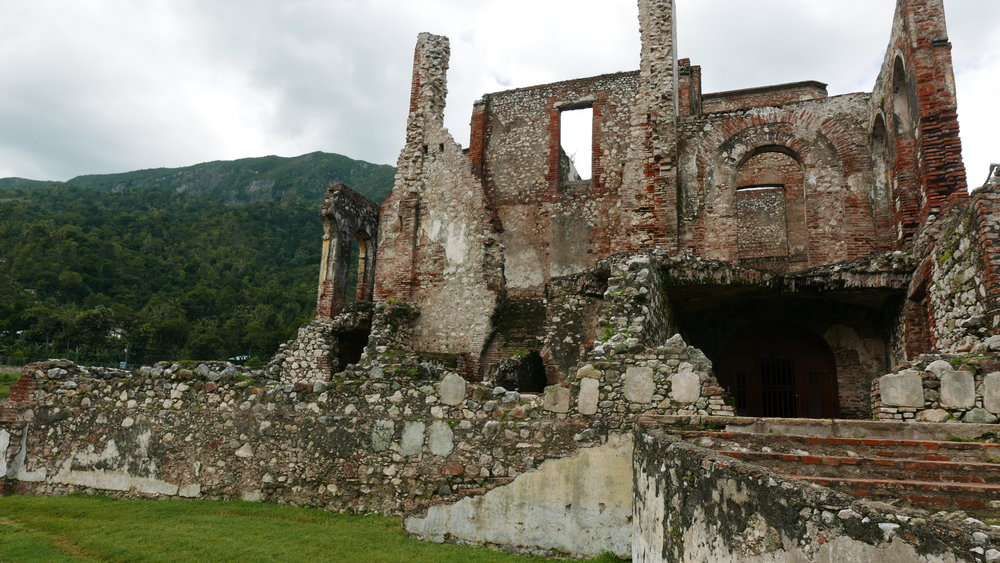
x: 780, y: 370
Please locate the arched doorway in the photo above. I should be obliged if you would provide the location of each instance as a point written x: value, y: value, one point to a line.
x: 780, y: 371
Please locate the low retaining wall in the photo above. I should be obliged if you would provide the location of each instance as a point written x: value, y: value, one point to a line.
x: 691, y: 504
x: 941, y: 389
x: 394, y: 445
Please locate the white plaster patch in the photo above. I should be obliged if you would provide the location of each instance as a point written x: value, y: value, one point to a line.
x: 4, y: 444
x: 457, y: 247
x: 580, y: 504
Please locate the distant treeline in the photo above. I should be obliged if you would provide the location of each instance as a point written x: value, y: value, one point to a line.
x: 141, y: 274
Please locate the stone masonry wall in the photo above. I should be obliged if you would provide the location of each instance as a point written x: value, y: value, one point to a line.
x: 380, y: 437
x: 438, y: 247
x: 957, y: 294
x: 938, y: 388
x: 553, y: 227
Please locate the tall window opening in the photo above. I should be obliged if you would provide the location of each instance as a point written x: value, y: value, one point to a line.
x: 355, y: 265
x: 576, y: 139
x: 769, y: 208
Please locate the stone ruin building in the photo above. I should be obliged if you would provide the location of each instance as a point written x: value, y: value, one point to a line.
x: 815, y: 232
x: 669, y: 352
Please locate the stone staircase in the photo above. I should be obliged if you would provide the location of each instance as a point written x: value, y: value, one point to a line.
x: 957, y: 474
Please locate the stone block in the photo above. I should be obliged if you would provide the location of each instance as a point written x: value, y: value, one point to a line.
x: 685, y: 385
x: 590, y: 394
x: 413, y: 438
x: 979, y: 416
x: 958, y: 389
x: 442, y: 439
x: 938, y: 367
x: 638, y: 385
x: 933, y: 415
x: 382, y: 432
x: 991, y: 392
x: 903, y: 389
x: 452, y: 390
x: 588, y: 371
x: 556, y: 399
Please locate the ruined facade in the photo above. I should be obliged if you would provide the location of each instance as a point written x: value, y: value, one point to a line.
x: 523, y: 344
x: 829, y: 215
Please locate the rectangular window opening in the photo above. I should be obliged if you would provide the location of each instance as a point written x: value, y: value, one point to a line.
x: 576, y: 138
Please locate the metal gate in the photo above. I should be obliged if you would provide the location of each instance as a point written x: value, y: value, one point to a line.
x: 780, y: 372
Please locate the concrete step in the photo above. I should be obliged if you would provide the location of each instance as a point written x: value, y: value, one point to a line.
x: 969, y: 472
x: 874, y: 448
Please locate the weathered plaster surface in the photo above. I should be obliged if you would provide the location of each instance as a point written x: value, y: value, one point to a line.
x: 579, y: 504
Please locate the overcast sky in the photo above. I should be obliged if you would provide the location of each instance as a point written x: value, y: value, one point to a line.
x: 99, y: 86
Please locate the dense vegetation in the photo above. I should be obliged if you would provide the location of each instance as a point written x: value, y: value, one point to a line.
x: 166, y: 264
x: 79, y: 528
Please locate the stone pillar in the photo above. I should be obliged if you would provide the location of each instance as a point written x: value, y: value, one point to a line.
x: 649, y: 187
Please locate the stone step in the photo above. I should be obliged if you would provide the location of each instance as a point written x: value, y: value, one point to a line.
x: 875, y: 448
x: 978, y: 499
x: 968, y: 472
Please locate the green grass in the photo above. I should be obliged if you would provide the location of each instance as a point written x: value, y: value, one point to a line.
x: 95, y: 528
x: 6, y: 380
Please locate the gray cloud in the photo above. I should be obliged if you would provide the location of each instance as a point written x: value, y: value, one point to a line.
x: 113, y: 85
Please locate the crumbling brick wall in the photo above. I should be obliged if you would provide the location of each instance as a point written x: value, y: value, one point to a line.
x: 437, y: 245
x: 914, y: 99
x: 827, y: 216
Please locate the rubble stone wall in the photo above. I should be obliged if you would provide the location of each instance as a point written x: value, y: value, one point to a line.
x: 379, y: 439
x: 438, y: 246
x: 958, y: 296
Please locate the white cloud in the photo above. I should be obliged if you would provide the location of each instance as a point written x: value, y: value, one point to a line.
x: 111, y: 85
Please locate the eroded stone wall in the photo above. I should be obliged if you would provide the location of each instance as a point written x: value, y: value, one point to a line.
x: 692, y: 504
x: 437, y: 245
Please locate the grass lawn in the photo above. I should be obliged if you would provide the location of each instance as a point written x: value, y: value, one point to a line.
x: 7, y: 378
x: 95, y: 528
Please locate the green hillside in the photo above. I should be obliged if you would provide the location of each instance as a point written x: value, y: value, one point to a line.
x: 249, y: 180
x: 190, y: 263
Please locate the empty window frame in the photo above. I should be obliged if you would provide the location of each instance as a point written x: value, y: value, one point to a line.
x: 576, y: 139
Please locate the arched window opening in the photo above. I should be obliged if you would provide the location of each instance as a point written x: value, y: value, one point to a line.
x: 769, y: 208
x: 901, y: 108
x: 881, y: 164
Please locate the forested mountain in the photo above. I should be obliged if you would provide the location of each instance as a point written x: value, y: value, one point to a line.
x: 206, y: 262
x: 248, y: 180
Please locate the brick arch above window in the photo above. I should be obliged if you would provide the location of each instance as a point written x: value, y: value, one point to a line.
x: 769, y: 205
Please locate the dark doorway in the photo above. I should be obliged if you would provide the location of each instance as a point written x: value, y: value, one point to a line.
x: 524, y: 372
x: 780, y: 371
x: 350, y: 345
